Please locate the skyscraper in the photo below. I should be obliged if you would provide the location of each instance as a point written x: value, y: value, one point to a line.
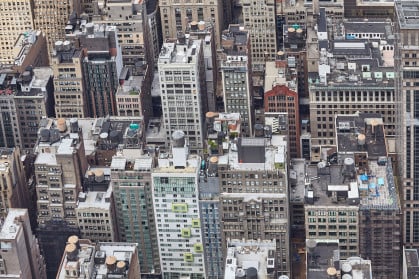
x: 176, y: 207
x: 131, y: 182
x: 19, y: 255
x: 66, y: 62
x: 183, y: 93
x: 259, y: 20
x: 17, y: 18
x: 253, y: 195
x: 236, y: 75
x: 13, y: 181
x: 407, y: 92
x: 51, y: 18
x: 175, y: 15
x: 60, y: 165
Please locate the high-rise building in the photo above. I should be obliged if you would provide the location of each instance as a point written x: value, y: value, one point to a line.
x: 259, y: 20
x: 207, y: 35
x: 253, y: 194
x: 410, y: 263
x: 101, y: 67
x: 95, y: 210
x: 369, y: 8
x: 60, y: 165
x: 131, y: 182
x: 133, y: 96
x: 153, y: 20
x: 20, y: 254
x: 25, y: 99
x: 70, y: 99
x: 341, y: 84
x: 351, y: 196
x: 30, y: 49
x: 34, y: 100
x: 209, y: 205
x: 176, y: 210
x: 182, y: 83
x: 406, y: 86
x: 53, y: 18
x: 17, y: 18
x: 281, y: 97
x: 133, y: 38
x: 176, y: 15
x: 59, y: 168
x: 250, y: 258
x: 236, y: 75
x: 85, y: 259
x: 12, y: 184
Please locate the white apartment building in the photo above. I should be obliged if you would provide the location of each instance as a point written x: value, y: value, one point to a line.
x: 176, y: 209
x: 183, y: 93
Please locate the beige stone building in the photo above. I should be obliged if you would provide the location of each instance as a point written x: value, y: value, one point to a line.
x: 16, y: 18
x: 68, y: 81
x: 133, y: 31
x: 12, y: 184
x: 30, y: 49
x: 96, y: 214
x: 52, y: 17
x: 59, y: 168
x: 253, y: 195
x: 175, y: 15
x: 20, y: 255
x: 259, y: 20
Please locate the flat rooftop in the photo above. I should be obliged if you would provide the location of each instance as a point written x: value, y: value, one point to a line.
x: 179, y: 53
x: 141, y: 163
x: 357, y: 267
x: 248, y: 156
x: 131, y: 86
x: 412, y: 263
x: 96, y: 200
x: 407, y: 14
x: 245, y: 257
x: 364, y: 128
x: 9, y: 228
x: 165, y: 165
x: 322, y: 258
x: 91, y: 258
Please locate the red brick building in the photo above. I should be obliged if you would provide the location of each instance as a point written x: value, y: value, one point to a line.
x: 281, y: 99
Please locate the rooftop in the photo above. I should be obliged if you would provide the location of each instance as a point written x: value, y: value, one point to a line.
x: 357, y: 267
x: 23, y: 45
x: 359, y: 173
x: 411, y: 260
x: 361, y: 133
x: 131, y: 86
x: 251, y: 257
x: 255, y: 154
x: 11, y: 225
x: 165, y: 164
x: 358, y: 53
x: 322, y: 258
x: 93, y: 199
x: 86, y: 258
x: 407, y: 14
x: 182, y: 53
x: 142, y: 163
x: 107, y: 133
